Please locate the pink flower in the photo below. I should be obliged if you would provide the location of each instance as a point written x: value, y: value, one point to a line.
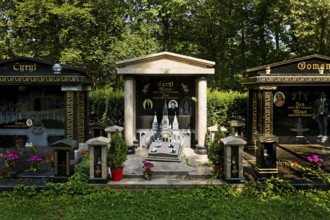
x: 34, y: 159
x: 314, y: 159
x: 11, y: 156
x: 148, y: 165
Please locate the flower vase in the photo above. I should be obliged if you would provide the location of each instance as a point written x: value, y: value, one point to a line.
x: 34, y: 167
x: 147, y: 175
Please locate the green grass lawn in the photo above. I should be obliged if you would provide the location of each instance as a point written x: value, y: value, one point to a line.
x: 200, y: 203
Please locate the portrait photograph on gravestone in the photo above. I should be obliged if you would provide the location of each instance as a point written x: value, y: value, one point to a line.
x: 175, y: 92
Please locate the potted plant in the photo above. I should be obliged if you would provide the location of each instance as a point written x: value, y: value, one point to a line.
x: 117, y: 155
x: 215, y: 152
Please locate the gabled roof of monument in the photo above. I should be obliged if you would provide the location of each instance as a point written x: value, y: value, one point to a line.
x: 313, y: 69
x: 26, y: 70
x: 287, y: 62
x: 165, y: 63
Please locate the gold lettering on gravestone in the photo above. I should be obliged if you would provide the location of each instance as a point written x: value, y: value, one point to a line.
x: 165, y: 91
x: 24, y: 67
x: 300, y: 109
x: 313, y: 66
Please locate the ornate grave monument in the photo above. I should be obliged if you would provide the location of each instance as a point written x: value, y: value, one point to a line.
x: 289, y: 100
x: 165, y: 102
x: 42, y: 102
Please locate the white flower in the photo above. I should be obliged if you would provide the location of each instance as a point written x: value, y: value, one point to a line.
x: 28, y: 144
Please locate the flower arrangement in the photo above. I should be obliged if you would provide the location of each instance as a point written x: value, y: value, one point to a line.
x: 147, y: 170
x: 11, y: 158
x: 33, y: 148
x: 34, y: 163
x: 316, y: 161
x: 309, y: 172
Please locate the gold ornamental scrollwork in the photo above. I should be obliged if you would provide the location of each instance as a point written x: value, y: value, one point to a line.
x: 69, y: 114
x: 42, y: 79
x: 254, y: 112
x: 267, y: 106
x: 268, y: 139
x: 267, y: 87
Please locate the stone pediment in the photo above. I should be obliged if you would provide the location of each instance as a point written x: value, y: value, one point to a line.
x: 165, y: 63
x: 308, y: 69
x: 27, y: 70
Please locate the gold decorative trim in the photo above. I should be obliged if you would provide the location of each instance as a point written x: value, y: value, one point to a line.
x: 43, y: 79
x: 254, y: 113
x: 287, y: 79
x: 267, y: 87
x: 69, y: 114
x: 260, y: 112
x: 267, y: 120
x: 81, y: 116
x: 267, y: 139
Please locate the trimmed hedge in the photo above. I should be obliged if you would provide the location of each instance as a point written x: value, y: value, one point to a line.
x: 107, y: 106
x: 221, y: 106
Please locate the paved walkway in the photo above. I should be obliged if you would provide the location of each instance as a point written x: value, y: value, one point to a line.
x: 193, y: 170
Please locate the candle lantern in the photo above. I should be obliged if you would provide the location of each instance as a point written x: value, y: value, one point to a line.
x: 111, y: 130
x: 212, y: 130
x: 236, y: 128
x: 64, y: 158
x: 97, y: 129
x: 98, y: 148
x: 266, y: 156
x: 233, y: 159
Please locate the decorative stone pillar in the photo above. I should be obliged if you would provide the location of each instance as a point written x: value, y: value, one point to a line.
x: 63, y: 166
x: 252, y: 119
x: 70, y: 113
x: 98, y: 148
x: 233, y: 159
x: 268, y: 112
x: 76, y: 112
x: 202, y: 115
x: 266, y: 156
x: 129, y: 111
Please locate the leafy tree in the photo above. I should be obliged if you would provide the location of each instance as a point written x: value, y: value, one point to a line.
x: 308, y: 23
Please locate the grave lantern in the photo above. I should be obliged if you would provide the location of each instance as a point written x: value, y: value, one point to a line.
x: 97, y: 129
x: 236, y: 128
x: 212, y: 130
x: 64, y: 158
x: 266, y: 156
x: 111, y: 130
x: 98, y: 148
x: 233, y: 159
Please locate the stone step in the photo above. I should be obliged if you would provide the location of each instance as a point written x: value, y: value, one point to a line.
x: 141, y: 183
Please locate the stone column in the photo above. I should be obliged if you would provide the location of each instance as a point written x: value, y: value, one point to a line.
x: 202, y: 115
x: 129, y: 111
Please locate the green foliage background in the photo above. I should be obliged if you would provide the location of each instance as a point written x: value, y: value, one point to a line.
x: 107, y: 106
x: 95, y: 34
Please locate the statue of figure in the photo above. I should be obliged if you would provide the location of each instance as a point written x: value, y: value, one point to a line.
x: 321, y: 109
x: 185, y: 107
